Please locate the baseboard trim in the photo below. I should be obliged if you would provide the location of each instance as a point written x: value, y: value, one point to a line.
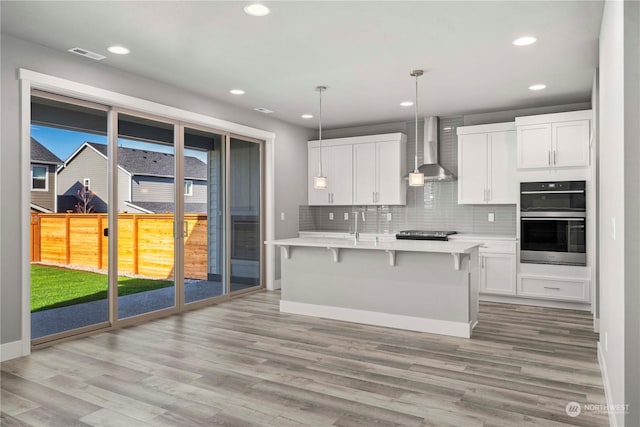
x: 607, y: 388
x: 397, y: 321
x: 10, y: 350
x: 536, y: 302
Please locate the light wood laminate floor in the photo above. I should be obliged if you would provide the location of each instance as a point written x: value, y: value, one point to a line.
x: 242, y: 363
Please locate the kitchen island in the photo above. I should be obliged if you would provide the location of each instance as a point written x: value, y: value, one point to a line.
x: 426, y: 286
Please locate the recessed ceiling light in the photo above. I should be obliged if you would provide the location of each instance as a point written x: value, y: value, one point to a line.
x: 236, y: 91
x: 524, y: 41
x: 263, y: 110
x: 537, y: 87
x: 256, y: 9
x: 118, y: 50
x: 406, y: 104
x: 307, y: 116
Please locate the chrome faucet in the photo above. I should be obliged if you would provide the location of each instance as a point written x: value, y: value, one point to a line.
x: 356, y: 233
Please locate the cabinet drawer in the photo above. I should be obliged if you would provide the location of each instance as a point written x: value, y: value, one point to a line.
x: 498, y: 247
x: 565, y: 289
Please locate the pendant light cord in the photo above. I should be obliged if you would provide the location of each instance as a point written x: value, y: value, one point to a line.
x: 320, y: 89
x: 416, y: 111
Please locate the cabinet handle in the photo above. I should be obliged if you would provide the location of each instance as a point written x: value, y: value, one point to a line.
x: 328, y: 197
x: 551, y: 287
x: 332, y: 198
x: 554, y: 157
x: 373, y: 196
x: 549, y: 157
x: 488, y: 194
x: 377, y: 197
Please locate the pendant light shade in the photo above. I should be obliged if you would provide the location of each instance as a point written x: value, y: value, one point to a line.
x: 320, y: 181
x: 416, y: 178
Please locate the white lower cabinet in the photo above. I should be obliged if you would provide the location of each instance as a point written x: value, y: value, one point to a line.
x: 556, y: 288
x: 497, y: 273
x: 497, y: 264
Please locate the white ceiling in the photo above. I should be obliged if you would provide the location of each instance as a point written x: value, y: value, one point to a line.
x: 362, y: 50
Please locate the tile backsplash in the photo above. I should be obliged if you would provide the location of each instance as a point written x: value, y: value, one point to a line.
x: 432, y: 207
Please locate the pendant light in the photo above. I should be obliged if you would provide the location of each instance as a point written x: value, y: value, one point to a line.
x: 416, y: 178
x: 320, y: 181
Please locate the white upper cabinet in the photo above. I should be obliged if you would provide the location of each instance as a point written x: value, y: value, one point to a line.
x: 378, y: 169
x: 364, y: 170
x: 337, y: 166
x: 486, y: 164
x: 557, y: 140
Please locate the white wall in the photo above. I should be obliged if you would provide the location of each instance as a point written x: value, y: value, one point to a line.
x: 290, y: 150
x: 632, y: 209
x: 612, y: 202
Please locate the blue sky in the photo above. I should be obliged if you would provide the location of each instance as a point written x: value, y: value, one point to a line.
x: 63, y: 142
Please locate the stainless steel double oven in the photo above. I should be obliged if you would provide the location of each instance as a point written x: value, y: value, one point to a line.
x: 553, y: 219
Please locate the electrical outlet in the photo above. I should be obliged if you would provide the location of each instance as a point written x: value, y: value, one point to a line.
x: 346, y: 216
x: 613, y: 228
x: 389, y: 216
x: 330, y: 216
x: 281, y: 216
x: 491, y: 217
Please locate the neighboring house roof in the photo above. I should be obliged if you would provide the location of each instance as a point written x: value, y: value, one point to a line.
x: 152, y: 163
x: 162, y: 207
x: 38, y: 208
x: 40, y: 154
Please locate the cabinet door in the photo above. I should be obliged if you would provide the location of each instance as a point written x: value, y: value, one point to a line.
x: 317, y: 197
x: 391, y: 185
x: 340, y: 174
x: 365, y: 174
x: 498, y: 274
x: 472, y: 168
x: 501, y: 181
x: 570, y: 143
x: 534, y: 146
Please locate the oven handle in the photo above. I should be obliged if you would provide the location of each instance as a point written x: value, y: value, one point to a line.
x: 554, y: 192
x: 551, y: 219
x: 547, y: 214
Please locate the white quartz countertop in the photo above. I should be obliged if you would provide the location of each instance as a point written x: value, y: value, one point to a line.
x: 392, y: 236
x: 449, y: 247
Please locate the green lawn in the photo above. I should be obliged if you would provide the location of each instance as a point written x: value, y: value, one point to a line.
x: 53, y: 287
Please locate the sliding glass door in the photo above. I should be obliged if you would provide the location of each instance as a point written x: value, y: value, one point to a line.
x: 146, y: 199
x: 69, y: 211
x: 204, y: 219
x: 246, y: 255
x: 136, y: 216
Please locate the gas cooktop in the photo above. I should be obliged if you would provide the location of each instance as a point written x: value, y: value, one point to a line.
x: 423, y: 235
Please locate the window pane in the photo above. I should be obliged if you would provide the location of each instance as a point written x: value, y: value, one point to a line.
x: 39, y: 172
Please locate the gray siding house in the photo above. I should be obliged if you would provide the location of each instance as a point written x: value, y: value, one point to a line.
x: 43, y: 178
x: 145, y: 180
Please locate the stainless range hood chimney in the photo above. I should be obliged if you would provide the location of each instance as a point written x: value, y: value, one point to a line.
x: 431, y: 167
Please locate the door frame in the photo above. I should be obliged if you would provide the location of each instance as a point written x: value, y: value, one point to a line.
x: 31, y: 80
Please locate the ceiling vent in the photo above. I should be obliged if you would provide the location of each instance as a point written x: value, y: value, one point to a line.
x: 87, y: 53
x: 263, y: 110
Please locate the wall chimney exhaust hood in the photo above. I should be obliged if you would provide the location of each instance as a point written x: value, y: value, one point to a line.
x: 431, y: 166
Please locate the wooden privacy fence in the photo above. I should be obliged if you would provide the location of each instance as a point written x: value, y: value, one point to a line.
x: 145, y: 243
